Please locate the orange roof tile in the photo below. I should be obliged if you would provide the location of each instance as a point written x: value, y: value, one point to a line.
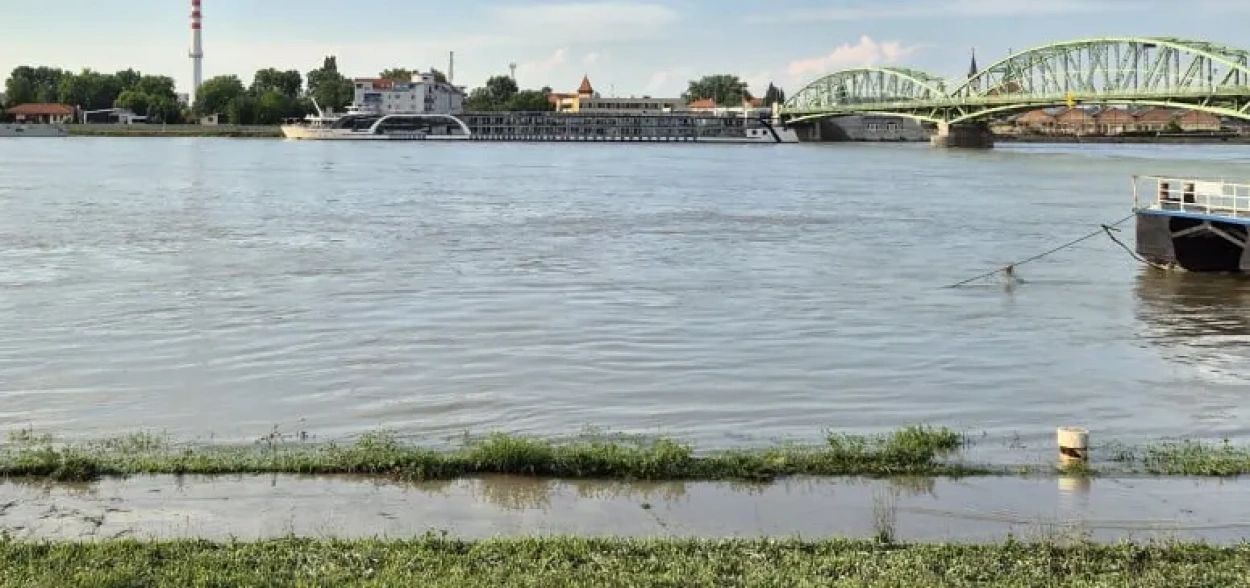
x: 41, y: 109
x: 1157, y: 115
x: 585, y: 88
x: 703, y: 103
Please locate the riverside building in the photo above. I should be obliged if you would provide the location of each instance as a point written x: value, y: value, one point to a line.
x: 423, y: 94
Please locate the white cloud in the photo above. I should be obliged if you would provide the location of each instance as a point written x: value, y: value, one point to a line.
x: 915, y: 9
x: 543, y: 66
x: 586, y: 21
x: 591, y: 58
x: 866, y: 52
x: 757, y: 82
x: 669, y: 81
x: 1222, y: 6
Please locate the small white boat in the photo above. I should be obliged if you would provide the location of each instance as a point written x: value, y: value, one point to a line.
x: 358, y: 125
x: 33, y: 130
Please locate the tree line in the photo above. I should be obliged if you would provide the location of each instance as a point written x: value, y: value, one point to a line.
x: 729, y: 90
x: 274, y: 95
x: 91, y: 90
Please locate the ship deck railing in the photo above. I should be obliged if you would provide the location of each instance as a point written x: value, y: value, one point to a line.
x: 1192, y: 196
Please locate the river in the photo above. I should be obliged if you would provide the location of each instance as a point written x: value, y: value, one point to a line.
x: 727, y: 295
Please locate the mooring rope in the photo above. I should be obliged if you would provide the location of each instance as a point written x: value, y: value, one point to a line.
x: 1010, y: 268
x: 1133, y: 254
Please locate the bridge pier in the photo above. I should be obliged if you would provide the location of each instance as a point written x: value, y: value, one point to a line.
x: 962, y: 136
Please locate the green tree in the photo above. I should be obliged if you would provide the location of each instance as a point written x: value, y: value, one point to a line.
x: 33, y: 84
x: 494, y: 95
x: 439, y: 76
x: 272, y: 106
x: 288, y: 83
x: 128, y: 78
x: 219, y: 95
x: 241, y: 110
x: 528, y: 101
x: 134, y: 100
x: 164, y: 109
x: 396, y: 73
x: 157, y: 86
x: 329, y: 87
x: 725, y: 89
x: 89, y: 89
x: 774, y: 95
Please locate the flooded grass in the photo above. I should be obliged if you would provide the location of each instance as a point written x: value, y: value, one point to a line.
x: 909, y: 451
x: 1188, y: 458
x: 561, y: 561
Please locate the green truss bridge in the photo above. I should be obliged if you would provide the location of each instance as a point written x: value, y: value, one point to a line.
x: 1152, y: 71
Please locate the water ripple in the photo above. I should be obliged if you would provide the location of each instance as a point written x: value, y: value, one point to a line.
x: 235, y: 285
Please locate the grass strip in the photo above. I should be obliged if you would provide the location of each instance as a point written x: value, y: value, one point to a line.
x: 550, y: 562
x: 909, y: 451
x: 1186, y: 458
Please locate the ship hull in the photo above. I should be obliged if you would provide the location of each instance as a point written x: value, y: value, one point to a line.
x: 301, y: 132
x: 311, y: 134
x: 1194, y: 242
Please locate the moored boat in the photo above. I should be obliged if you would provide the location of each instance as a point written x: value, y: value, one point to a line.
x: 1199, y: 225
x: 358, y: 124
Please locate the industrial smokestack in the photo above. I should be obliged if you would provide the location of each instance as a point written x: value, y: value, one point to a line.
x: 451, y: 67
x: 197, y: 51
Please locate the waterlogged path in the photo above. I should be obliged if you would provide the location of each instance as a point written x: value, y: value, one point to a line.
x: 725, y: 295
x: 914, y: 509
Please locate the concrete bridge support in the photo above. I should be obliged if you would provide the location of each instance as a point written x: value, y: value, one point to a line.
x: 963, y: 136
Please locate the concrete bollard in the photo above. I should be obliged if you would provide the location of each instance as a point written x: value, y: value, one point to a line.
x: 1073, y: 445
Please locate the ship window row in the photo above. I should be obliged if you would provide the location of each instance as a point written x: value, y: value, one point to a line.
x: 722, y: 122
x: 510, y: 131
x: 624, y: 106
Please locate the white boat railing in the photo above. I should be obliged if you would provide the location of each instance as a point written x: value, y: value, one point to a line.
x: 1214, y: 197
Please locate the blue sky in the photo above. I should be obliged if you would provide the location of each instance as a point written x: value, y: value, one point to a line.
x: 629, y: 47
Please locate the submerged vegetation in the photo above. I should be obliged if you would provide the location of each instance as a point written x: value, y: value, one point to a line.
x: 1187, y: 458
x: 561, y: 561
x: 911, y: 451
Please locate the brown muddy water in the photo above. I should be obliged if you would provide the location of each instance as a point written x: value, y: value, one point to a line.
x: 726, y: 295
x: 920, y: 509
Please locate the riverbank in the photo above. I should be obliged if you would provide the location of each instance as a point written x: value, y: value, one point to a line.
x: 1127, y: 140
x: 916, y: 450
x: 566, y: 561
x: 155, y: 130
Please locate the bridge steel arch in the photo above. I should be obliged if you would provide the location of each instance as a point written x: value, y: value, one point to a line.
x: 1156, y: 71
x: 1149, y: 71
x: 865, y: 89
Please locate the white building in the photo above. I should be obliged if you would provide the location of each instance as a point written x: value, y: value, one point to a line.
x: 422, y: 95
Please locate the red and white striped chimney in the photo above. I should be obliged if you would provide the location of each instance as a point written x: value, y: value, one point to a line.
x: 197, y: 50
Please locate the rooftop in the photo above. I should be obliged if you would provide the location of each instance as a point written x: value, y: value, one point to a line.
x: 41, y: 109
x: 585, y: 88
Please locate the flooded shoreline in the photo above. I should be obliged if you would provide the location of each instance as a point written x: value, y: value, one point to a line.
x: 980, y: 510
